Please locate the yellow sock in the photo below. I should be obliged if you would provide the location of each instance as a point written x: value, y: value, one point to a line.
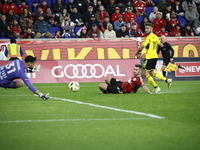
x: 159, y: 76
x: 151, y: 80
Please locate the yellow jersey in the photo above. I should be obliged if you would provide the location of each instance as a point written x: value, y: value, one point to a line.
x: 150, y: 43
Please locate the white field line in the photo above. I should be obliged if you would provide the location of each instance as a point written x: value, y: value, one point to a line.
x: 110, y: 108
x: 63, y: 120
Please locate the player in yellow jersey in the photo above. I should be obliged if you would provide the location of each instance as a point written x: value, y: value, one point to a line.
x: 150, y: 44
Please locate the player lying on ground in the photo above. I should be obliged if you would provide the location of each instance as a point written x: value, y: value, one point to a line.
x: 17, y: 69
x: 131, y: 86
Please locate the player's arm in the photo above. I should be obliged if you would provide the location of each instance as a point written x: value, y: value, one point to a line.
x: 139, y: 51
x: 172, y: 52
x: 146, y: 89
x: 32, y: 88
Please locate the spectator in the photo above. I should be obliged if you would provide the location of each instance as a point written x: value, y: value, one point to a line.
x: 152, y: 15
x: 134, y: 31
x: 15, y: 29
x: 163, y: 32
x: 158, y: 22
x: 186, y: 3
x: 101, y: 14
x: 172, y: 21
x: 24, y: 16
x: 58, y: 34
x: 58, y: 6
x: 178, y: 8
x: 96, y: 5
x: 118, y: 23
x: 68, y: 28
x: 162, y: 5
x: 110, y: 7
x: 122, y: 32
x: 82, y: 5
x: 143, y: 22
x: 38, y: 13
x: 4, y: 28
x: 126, y: 5
x: 129, y: 14
x: 10, y: 17
x: 22, y: 6
x: 50, y: 18
x: 44, y: 6
x: 91, y: 22
x: 13, y: 51
x: 88, y: 13
x: 115, y: 15
x: 28, y: 24
x: 109, y: 32
x: 171, y: 2
x: 10, y: 5
x: 29, y: 34
x: 167, y: 11
x: 42, y: 28
x: 149, y: 3
x: 188, y: 30
x: 177, y: 32
x: 95, y: 32
x: 63, y: 14
x: 197, y: 2
x: 70, y: 6
x: 34, y: 7
x: 105, y: 23
x: 192, y: 16
x: 82, y: 33
x: 75, y: 15
x: 140, y: 7
x: 129, y: 24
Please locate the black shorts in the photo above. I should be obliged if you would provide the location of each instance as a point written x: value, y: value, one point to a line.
x: 166, y: 61
x: 114, y: 86
x: 150, y: 64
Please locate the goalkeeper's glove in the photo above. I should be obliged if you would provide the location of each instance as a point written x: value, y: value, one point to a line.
x: 44, y: 96
x: 34, y: 69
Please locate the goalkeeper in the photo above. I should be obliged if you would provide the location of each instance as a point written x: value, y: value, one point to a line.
x: 168, y: 54
x: 18, y: 69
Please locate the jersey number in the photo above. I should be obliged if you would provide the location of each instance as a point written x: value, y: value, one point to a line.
x: 8, y: 66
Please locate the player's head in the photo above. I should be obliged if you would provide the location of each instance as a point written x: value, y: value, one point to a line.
x: 148, y: 28
x: 137, y: 70
x: 162, y: 39
x: 30, y: 61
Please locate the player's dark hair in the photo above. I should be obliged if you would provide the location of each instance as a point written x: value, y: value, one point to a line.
x: 149, y: 24
x: 30, y: 58
x: 139, y: 65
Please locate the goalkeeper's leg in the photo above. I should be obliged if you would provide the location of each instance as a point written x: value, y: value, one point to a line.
x: 12, y: 84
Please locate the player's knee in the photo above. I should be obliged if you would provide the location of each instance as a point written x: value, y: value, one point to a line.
x: 19, y: 84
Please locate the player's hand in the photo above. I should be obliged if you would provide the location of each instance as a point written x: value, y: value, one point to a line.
x: 44, y: 96
x: 36, y: 69
x: 137, y: 56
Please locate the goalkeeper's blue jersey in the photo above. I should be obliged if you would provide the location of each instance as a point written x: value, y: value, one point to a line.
x: 15, y: 70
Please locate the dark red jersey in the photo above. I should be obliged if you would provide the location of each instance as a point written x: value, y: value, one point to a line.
x: 132, y: 85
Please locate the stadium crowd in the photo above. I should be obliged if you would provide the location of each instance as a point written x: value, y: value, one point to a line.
x: 98, y: 18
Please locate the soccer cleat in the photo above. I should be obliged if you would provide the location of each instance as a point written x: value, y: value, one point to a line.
x: 169, y: 82
x: 181, y: 67
x: 156, y: 90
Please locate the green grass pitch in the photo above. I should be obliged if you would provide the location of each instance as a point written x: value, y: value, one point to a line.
x: 62, y: 125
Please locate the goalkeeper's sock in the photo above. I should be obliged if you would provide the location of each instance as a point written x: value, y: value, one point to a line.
x: 164, y: 73
x: 151, y: 81
x: 159, y: 76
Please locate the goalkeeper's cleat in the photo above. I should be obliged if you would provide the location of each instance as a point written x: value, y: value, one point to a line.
x: 156, y: 90
x: 181, y: 67
x: 169, y: 82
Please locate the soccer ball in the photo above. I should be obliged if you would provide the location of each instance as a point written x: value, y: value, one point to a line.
x: 74, y: 86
